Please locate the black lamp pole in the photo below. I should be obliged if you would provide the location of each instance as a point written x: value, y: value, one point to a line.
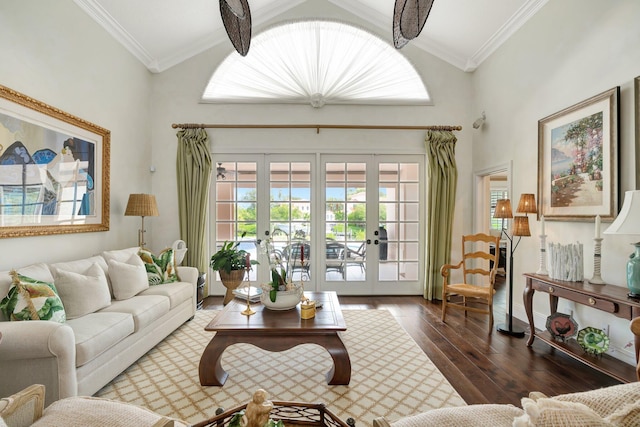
x: 508, y: 328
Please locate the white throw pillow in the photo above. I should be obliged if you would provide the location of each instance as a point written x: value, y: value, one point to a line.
x: 121, y: 255
x: 82, y: 293
x: 128, y: 278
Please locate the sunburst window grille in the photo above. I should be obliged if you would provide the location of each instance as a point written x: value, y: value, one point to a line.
x: 317, y: 62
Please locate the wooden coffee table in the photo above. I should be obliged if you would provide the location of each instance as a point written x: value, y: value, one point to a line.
x: 277, y: 331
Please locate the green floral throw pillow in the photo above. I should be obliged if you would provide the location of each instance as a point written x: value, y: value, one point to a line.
x: 160, y: 269
x: 30, y: 299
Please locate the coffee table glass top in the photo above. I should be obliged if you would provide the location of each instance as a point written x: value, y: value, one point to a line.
x: 327, y: 318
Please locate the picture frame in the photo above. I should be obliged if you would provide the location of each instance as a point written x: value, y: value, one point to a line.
x: 578, y: 176
x: 54, y: 170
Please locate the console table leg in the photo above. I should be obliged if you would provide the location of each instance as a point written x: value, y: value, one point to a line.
x: 528, y: 306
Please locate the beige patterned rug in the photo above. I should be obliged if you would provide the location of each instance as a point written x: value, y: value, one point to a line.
x: 391, y: 376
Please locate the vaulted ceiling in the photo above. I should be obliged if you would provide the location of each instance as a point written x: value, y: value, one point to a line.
x: 163, y: 33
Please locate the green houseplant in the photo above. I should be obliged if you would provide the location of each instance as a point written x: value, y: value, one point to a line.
x: 231, y: 264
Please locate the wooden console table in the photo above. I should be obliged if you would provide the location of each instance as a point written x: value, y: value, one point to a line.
x: 610, y: 298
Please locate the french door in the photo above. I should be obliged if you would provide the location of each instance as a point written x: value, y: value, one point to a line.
x: 372, y: 208
x: 348, y: 223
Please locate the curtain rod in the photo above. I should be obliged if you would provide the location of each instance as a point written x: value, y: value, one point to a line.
x: 316, y: 127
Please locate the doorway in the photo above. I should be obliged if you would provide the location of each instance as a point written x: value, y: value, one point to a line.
x: 354, y: 219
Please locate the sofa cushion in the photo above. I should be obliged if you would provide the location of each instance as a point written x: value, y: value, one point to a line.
x: 82, y: 293
x: 31, y: 299
x: 145, y: 309
x: 97, y: 332
x: 555, y: 413
x: 177, y: 293
x: 128, y: 278
x: 160, y: 269
x: 38, y: 271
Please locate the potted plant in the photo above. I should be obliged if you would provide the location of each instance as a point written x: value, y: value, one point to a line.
x: 231, y: 264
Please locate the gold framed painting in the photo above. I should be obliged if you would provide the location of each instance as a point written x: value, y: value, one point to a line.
x: 578, y: 160
x: 54, y: 170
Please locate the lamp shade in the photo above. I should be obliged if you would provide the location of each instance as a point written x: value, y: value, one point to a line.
x: 527, y: 204
x: 628, y: 220
x: 521, y: 226
x: 141, y: 205
x: 503, y: 209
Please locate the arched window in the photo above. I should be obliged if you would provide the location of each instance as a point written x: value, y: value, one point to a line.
x: 317, y: 62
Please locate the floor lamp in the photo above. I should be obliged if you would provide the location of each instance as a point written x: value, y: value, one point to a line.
x: 141, y: 205
x: 519, y: 228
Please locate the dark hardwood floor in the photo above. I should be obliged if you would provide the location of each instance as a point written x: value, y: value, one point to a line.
x: 482, y: 367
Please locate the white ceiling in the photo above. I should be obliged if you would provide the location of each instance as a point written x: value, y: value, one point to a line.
x: 163, y: 33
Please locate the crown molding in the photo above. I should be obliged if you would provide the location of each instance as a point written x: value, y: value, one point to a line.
x: 102, y: 17
x: 157, y: 65
x: 509, y: 28
x: 274, y: 9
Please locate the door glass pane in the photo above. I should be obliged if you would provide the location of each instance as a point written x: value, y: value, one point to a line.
x: 399, y: 215
x: 236, y: 206
x: 345, y: 214
x: 290, y: 216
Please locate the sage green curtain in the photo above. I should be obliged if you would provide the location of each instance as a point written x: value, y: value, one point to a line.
x: 193, y: 168
x: 442, y: 178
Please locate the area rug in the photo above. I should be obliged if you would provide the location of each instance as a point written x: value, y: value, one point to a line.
x: 391, y: 376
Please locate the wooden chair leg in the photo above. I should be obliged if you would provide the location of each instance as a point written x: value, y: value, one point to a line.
x: 490, y: 318
x: 444, y: 307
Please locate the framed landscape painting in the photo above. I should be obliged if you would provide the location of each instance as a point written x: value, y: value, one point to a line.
x: 578, y: 160
x: 54, y: 170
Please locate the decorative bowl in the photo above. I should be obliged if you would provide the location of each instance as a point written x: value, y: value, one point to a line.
x: 286, y: 300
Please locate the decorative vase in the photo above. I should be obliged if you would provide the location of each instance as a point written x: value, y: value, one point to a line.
x: 633, y: 272
x: 230, y: 281
x: 285, y: 300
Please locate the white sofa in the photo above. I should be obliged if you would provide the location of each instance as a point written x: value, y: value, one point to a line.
x: 83, y: 354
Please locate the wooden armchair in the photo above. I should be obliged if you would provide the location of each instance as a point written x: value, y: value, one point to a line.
x: 474, y: 263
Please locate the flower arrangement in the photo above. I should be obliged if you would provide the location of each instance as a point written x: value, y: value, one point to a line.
x: 280, y: 275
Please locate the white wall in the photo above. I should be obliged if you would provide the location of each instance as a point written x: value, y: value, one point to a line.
x: 570, y: 51
x: 55, y: 53
x: 177, y: 91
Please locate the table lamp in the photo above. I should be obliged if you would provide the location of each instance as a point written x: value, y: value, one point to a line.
x: 628, y: 223
x: 141, y: 205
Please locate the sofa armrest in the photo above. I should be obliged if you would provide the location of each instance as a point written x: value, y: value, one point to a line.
x: 38, y: 352
x: 188, y: 274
